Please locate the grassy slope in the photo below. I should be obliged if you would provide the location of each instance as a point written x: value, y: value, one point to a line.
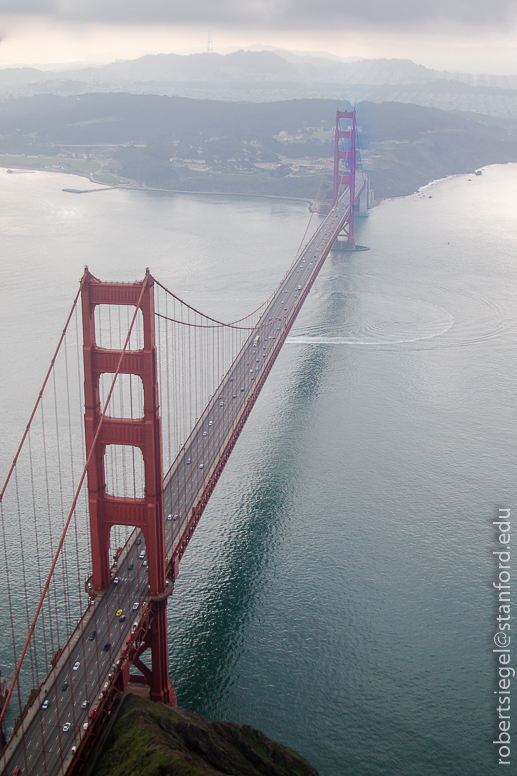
x: 150, y: 739
x: 36, y: 163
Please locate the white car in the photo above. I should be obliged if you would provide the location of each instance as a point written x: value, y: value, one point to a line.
x: 85, y: 704
x: 135, y: 606
x: 76, y: 666
x: 142, y: 555
x: 44, y: 705
x: 66, y: 727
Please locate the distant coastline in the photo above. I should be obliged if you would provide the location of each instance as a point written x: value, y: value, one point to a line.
x: 413, y: 181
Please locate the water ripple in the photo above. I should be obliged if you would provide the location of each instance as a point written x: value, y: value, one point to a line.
x: 381, y: 319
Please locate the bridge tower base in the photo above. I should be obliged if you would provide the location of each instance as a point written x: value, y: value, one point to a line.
x: 107, y: 510
x: 345, y: 246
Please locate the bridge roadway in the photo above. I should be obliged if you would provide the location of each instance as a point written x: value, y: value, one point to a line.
x: 80, y: 683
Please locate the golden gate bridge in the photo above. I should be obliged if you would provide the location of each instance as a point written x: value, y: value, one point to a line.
x: 91, y: 472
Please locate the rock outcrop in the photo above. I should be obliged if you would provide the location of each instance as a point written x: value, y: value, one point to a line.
x: 149, y: 739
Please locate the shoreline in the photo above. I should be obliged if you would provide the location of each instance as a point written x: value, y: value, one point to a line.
x: 132, y: 187
x: 217, y: 193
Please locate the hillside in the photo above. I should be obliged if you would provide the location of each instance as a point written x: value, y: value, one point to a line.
x: 276, y: 148
x: 150, y: 739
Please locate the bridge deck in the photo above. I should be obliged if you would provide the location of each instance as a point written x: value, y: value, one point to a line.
x: 84, y: 678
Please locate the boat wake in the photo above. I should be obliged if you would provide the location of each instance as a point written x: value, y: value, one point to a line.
x: 376, y: 319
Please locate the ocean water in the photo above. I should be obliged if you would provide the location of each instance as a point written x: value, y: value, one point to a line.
x: 338, y: 591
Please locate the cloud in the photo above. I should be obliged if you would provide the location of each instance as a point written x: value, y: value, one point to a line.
x: 273, y: 14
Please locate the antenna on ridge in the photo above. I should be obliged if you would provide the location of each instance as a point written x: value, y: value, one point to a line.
x: 209, y: 48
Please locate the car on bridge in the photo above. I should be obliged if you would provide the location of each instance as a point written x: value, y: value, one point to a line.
x: 66, y: 727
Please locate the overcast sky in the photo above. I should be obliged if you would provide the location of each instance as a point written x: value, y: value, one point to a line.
x: 464, y: 35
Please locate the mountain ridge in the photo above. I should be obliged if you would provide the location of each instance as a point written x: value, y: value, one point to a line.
x: 269, y: 65
x: 273, y: 76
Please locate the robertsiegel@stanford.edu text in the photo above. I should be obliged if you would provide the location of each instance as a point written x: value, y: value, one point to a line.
x: 505, y: 673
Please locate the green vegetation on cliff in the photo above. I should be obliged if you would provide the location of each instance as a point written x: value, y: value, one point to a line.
x: 149, y: 739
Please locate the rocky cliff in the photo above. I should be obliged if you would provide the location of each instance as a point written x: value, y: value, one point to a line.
x: 149, y: 739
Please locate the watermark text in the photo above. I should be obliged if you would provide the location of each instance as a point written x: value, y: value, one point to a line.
x: 505, y: 672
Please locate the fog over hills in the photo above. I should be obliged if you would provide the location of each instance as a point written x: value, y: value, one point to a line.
x: 265, y: 76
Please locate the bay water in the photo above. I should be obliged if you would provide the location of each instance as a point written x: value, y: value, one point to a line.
x: 337, y: 594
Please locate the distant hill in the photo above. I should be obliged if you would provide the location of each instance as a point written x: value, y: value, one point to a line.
x: 276, y: 148
x: 260, y: 76
x: 130, y: 118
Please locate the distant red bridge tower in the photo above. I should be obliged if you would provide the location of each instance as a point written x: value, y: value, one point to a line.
x: 344, y: 166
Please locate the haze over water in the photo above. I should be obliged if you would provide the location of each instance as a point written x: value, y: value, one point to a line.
x: 337, y: 592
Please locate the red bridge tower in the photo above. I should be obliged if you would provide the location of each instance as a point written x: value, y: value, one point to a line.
x: 107, y: 510
x: 344, y: 166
